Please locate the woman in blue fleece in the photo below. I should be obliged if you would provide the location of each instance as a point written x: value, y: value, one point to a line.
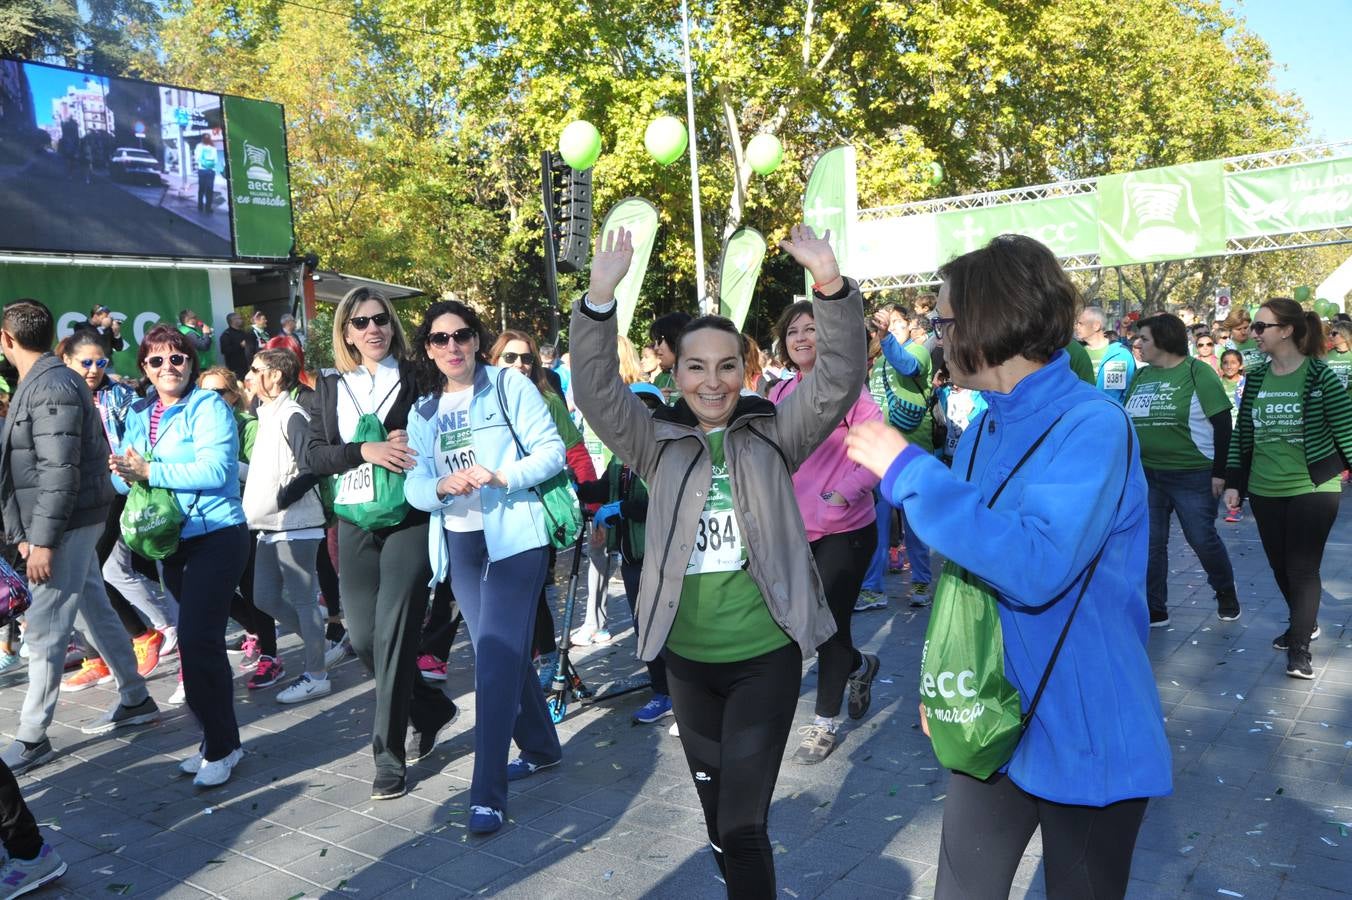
x: 1096, y: 749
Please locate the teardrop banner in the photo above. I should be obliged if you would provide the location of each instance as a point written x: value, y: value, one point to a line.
x: 831, y: 202
x: 639, y: 217
x: 738, y: 270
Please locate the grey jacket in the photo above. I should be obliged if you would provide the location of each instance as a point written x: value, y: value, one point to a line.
x: 53, y: 457
x: 764, y: 444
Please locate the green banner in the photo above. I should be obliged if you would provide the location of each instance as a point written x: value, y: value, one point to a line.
x: 1304, y: 197
x: 1158, y: 214
x: 256, y: 148
x: 830, y: 202
x: 1068, y: 225
x: 639, y: 217
x: 738, y: 270
x: 138, y: 298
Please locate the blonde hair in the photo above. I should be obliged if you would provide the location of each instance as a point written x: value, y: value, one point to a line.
x: 631, y: 371
x: 345, y: 356
x: 232, y: 384
x: 752, y: 360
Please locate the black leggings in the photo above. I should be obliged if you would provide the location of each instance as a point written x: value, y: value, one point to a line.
x: 734, y: 720
x: 328, y: 580
x: 1294, y: 531
x: 1086, y: 850
x: 253, y: 620
x: 130, y: 618
x: 842, y: 560
x: 442, y: 623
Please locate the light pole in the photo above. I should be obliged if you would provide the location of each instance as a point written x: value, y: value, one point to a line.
x: 694, y: 159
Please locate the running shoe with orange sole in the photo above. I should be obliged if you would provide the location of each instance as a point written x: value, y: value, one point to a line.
x: 147, y: 650
x: 93, y: 672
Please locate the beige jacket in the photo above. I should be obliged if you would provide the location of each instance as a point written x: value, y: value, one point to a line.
x: 764, y: 445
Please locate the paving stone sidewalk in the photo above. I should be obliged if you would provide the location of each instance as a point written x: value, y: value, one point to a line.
x: 1262, y: 763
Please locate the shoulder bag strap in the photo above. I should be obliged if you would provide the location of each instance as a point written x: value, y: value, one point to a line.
x: 1084, y: 586
x: 502, y: 405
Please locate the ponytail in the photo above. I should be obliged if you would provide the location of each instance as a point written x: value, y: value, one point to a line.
x: 1312, y: 342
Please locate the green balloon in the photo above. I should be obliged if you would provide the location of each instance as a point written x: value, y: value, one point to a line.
x: 936, y: 174
x: 764, y: 153
x: 1326, y: 309
x: 665, y: 139
x: 580, y: 144
x: 1302, y: 294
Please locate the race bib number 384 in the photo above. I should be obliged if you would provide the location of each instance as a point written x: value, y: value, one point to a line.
x: 356, y: 486
x: 718, y: 543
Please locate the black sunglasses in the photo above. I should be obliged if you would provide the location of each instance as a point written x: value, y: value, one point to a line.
x: 360, y: 322
x: 1260, y: 327
x: 97, y: 363
x: 175, y: 360
x: 220, y: 392
x: 461, y: 336
x: 1206, y: 344
x: 511, y: 358
x: 940, y: 324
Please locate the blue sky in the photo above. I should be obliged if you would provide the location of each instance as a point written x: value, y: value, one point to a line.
x: 1310, y: 42
x: 47, y: 83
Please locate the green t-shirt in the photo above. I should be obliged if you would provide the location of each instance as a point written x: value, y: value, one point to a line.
x: 1096, y: 355
x: 1279, y: 468
x: 1080, y: 363
x: 1341, y: 364
x: 1252, y: 355
x: 908, y: 388
x: 1170, y: 408
x: 665, y: 382
x: 558, y: 411
x: 722, y: 616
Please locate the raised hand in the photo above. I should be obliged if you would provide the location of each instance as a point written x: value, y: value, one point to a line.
x: 610, y: 263
x: 874, y: 446
x: 814, y: 254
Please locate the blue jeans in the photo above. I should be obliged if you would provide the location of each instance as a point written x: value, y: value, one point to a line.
x: 917, y: 554
x: 1189, y: 495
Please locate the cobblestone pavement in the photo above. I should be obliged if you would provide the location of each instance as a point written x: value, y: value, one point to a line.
x: 1262, y: 806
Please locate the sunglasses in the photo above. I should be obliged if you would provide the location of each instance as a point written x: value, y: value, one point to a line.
x: 941, y: 324
x: 175, y: 359
x: 360, y: 322
x: 1260, y: 327
x: 257, y: 371
x: 1205, y: 344
x: 96, y: 363
x: 511, y: 358
x: 220, y: 392
x: 461, y: 336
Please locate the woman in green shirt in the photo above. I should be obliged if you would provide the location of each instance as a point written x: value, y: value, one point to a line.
x: 1294, y: 438
x: 1182, y: 418
x: 1340, y: 354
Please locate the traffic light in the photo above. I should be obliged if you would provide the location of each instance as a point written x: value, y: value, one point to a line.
x: 568, y: 213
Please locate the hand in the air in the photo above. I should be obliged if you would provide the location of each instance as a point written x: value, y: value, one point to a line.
x: 610, y: 263
x: 814, y: 254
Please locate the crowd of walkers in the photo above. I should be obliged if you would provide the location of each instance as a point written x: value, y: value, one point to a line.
x: 751, y: 501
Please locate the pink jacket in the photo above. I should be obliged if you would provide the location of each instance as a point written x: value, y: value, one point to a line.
x: 828, y: 469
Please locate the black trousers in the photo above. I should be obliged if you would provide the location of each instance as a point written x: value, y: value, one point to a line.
x: 657, y: 669
x: 126, y: 613
x: 842, y: 560
x: 1294, y: 531
x: 443, y: 622
x: 384, y: 577
x: 734, y: 720
x: 328, y: 581
x: 18, y: 828
x: 253, y: 620
x: 202, y: 573
x: 1086, y: 850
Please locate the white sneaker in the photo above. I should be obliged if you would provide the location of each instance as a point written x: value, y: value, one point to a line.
x: 305, y: 688
x: 582, y: 637
x: 674, y: 730
x: 217, y: 773
x: 178, y: 697
x: 337, y: 651
x: 170, y: 633
x: 192, y: 765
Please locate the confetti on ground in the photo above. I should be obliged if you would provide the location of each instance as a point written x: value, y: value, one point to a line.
x: 1228, y: 893
x: 885, y: 680
x: 1329, y: 842
x: 120, y: 889
x: 1185, y: 850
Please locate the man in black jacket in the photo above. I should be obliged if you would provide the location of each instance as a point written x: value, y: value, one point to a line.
x: 55, y: 489
x: 238, y: 346
x: 109, y: 330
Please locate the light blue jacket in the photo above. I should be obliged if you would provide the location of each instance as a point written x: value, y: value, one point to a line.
x: 196, y: 456
x: 514, y: 518
x: 1116, y: 353
x: 1098, y: 734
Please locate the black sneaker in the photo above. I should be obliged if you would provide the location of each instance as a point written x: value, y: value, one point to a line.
x: 818, y: 742
x: 861, y: 687
x: 424, y: 742
x: 1280, y: 641
x: 21, y: 756
x: 122, y: 716
x: 388, y: 787
x: 1298, y: 663
x: 1159, y: 619
x: 1227, y: 605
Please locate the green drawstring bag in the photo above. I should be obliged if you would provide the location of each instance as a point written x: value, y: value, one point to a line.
x: 370, y: 496
x: 558, y: 498
x: 973, y: 712
x: 152, y: 519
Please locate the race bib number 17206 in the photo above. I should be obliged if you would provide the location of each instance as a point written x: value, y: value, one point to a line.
x: 356, y: 486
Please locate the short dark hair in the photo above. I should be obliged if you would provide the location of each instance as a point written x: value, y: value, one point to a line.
x: 667, y: 329
x: 30, y: 323
x: 717, y: 323
x: 429, y: 378
x: 175, y: 341
x: 1010, y: 298
x: 283, y: 361
x: 787, y: 318
x: 98, y: 308
x: 1168, y: 333
x: 183, y: 316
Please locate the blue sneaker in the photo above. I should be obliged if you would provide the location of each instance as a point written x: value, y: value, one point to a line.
x: 484, y: 819
x: 654, y: 710
x: 518, y: 768
x: 9, y: 662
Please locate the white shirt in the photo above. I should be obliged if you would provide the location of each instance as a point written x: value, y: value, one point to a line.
x: 455, y: 452
x: 381, y: 388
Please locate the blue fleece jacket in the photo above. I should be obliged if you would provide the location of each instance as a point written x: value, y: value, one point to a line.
x: 1116, y: 357
x: 1098, y: 736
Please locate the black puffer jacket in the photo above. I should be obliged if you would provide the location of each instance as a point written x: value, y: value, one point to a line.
x: 53, y: 457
